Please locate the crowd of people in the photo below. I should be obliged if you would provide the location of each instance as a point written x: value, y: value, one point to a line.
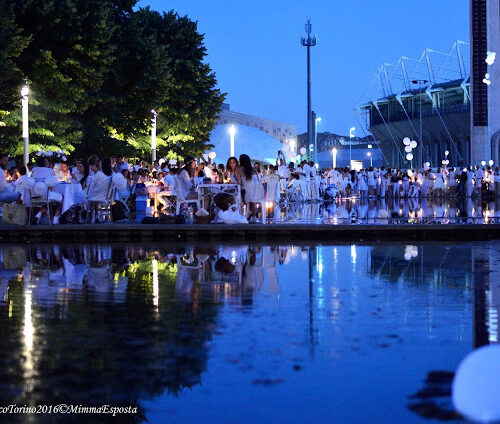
x: 97, y: 181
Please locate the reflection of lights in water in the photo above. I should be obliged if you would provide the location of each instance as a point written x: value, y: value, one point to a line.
x: 11, y: 305
x: 156, y: 291
x: 420, y: 213
x: 410, y: 252
x: 353, y: 254
x: 233, y: 257
x: 320, y: 268
x: 492, y: 319
x: 335, y: 255
x: 28, y: 332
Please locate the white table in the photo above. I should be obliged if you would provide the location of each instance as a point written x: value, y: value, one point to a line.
x: 72, y: 194
x: 214, y: 189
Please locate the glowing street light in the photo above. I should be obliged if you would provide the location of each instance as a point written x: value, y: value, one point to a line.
x: 153, y: 134
x: 232, y: 132
x: 369, y: 154
x: 351, y: 136
x: 25, y: 91
x: 334, y: 157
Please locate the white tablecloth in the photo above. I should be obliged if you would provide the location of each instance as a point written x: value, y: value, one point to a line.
x: 72, y: 194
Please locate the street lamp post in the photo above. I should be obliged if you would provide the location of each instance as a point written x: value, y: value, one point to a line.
x: 334, y: 157
x: 309, y: 41
x: 153, y: 135
x: 420, y: 150
x: 351, y: 136
x: 232, y: 132
x: 369, y: 154
x: 25, y: 91
x: 318, y: 119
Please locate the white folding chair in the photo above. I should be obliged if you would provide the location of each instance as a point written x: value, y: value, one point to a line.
x: 180, y: 199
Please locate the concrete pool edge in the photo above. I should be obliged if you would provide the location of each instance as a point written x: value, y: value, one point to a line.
x: 251, y: 232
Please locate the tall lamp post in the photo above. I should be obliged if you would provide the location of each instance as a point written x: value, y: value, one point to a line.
x: 153, y: 134
x: 232, y: 132
x: 309, y: 41
x: 318, y: 119
x: 25, y: 91
x: 420, y: 82
x: 351, y: 136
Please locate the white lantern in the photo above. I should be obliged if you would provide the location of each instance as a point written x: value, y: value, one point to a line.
x: 408, y: 149
x: 413, y: 144
x: 446, y: 153
x: 407, y: 256
x: 483, y: 163
x: 443, y: 162
x: 476, y: 386
x: 409, y: 156
x: 406, y: 141
x: 212, y: 155
x: 491, y: 162
x: 303, y: 150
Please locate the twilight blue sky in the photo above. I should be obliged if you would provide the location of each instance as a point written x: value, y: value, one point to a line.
x: 254, y: 48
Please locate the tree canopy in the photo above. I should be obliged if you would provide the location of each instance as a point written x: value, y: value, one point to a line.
x: 96, y: 69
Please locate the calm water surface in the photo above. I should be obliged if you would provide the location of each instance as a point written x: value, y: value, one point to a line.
x: 244, y: 333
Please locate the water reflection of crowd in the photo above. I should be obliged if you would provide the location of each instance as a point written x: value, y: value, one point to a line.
x: 55, y: 274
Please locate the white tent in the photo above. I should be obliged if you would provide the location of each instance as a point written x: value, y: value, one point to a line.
x: 257, y: 144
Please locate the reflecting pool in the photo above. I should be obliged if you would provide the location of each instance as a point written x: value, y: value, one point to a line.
x: 244, y: 333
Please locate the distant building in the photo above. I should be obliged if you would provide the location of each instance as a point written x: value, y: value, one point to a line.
x: 485, y: 98
x: 362, y: 151
x: 435, y: 87
x: 279, y: 130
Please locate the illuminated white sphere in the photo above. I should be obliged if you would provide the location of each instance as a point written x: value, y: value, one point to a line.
x: 406, y: 141
x: 483, y: 162
x: 428, y: 164
x: 446, y: 153
x: 413, y: 144
x: 407, y: 256
x: 443, y: 162
x: 212, y: 155
x: 303, y: 150
x: 491, y: 162
x: 408, y: 149
x: 409, y: 156
x: 476, y: 386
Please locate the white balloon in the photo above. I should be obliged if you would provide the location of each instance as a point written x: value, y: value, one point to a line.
x: 409, y: 156
x: 212, y: 155
x: 413, y: 144
x: 407, y: 256
x: 491, y: 162
x: 406, y: 141
x: 446, y: 153
x: 407, y: 149
x: 302, y: 150
x: 476, y: 386
x: 443, y: 162
x: 483, y: 162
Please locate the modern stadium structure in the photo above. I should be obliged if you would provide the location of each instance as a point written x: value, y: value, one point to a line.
x: 427, y: 100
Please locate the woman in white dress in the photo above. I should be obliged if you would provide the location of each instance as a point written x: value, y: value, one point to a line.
x: 371, y: 182
x: 43, y: 169
x: 252, y: 189
x: 438, y: 184
x: 362, y: 186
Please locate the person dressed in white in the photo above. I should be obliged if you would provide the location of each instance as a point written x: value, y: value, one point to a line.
x: 168, y: 189
x: 314, y: 183
x: 100, y: 186
x: 252, y: 188
x: 306, y: 172
x: 371, y: 182
x: 7, y: 195
x: 42, y: 170
x: 187, y: 178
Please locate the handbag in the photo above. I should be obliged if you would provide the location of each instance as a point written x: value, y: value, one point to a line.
x: 118, y: 212
x: 14, y: 213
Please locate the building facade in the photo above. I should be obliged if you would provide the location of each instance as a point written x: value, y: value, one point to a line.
x: 279, y: 130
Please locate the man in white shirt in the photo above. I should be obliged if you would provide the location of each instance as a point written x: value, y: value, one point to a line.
x: 313, y: 183
x: 164, y: 196
x: 333, y: 177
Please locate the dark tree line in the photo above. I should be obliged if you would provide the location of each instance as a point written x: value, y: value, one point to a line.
x: 96, y: 69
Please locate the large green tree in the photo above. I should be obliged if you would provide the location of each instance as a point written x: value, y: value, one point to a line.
x: 96, y: 69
